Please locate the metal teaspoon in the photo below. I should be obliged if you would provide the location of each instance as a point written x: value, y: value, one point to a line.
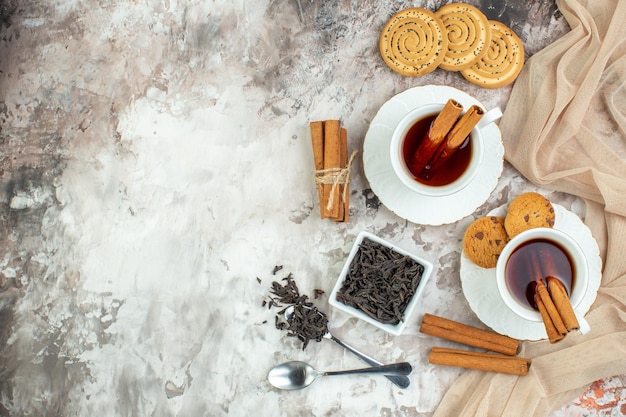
x: 399, y: 380
x: 297, y: 375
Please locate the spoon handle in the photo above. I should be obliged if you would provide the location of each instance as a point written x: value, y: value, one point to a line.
x: 400, y: 380
x: 401, y: 368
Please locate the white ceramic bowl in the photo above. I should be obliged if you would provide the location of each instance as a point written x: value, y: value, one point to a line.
x: 393, y: 329
x: 576, y: 255
x: 399, y: 165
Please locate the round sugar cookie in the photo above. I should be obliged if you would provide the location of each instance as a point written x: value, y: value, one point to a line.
x: 503, y: 61
x: 412, y: 42
x: 527, y: 211
x: 468, y: 33
x: 484, y: 241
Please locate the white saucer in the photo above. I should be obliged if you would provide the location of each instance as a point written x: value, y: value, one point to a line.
x: 396, y: 196
x: 481, y: 290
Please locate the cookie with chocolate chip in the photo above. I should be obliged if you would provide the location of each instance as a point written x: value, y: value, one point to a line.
x: 528, y: 211
x: 484, y: 240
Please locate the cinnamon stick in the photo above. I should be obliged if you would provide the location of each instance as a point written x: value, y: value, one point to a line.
x: 455, y: 138
x: 332, y: 160
x: 562, y: 303
x: 317, y: 141
x: 436, y: 134
x: 344, y: 191
x: 477, y: 360
x: 552, y: 321
x: 553, y: 334
x: 468, y: 335
x: 544, y: 295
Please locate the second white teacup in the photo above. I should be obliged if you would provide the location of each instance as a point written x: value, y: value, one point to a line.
x: 544, y: 251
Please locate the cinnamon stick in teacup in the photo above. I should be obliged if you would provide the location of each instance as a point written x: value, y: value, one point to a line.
x: 455, y: 138
x: 549, y: 314
x: 553, y: 334
x: 562, y: 303
x: 555, y: 329
x: 558, y: 293
x: 436, y: 134
x: 491, y: 362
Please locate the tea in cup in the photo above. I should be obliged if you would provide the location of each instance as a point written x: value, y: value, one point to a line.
x: 537, y: 254
x: 459, y: 168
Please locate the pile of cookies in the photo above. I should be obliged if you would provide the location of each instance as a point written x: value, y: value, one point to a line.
x: 456, y: 37
x: 486, y: 237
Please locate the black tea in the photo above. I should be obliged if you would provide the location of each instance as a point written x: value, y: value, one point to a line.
x: 380, y: 282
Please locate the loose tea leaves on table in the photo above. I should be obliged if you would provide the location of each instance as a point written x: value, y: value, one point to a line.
x: 380, y: 282
x: 307, y: 323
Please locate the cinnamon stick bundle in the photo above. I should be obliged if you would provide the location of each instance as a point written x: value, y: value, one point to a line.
x: 468, y: 335
x: 436, y: 134
x: 491, y: 362
x: 330, y: 154
x: 455, y: 138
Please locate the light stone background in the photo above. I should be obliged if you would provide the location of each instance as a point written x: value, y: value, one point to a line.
x: 155, y: 166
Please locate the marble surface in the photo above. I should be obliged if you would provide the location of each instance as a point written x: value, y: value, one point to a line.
x: 155, y: 166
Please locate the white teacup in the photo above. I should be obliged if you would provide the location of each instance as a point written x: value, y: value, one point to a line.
x: 580, y: 279
x: 400, y: 166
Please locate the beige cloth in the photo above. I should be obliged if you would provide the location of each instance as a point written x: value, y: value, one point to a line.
x: 564, y: 128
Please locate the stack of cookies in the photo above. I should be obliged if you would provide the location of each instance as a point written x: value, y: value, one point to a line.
x: 486, y: 237
x: 457, y: 37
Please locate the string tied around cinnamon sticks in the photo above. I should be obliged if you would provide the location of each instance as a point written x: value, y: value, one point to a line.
x: 335, y: 177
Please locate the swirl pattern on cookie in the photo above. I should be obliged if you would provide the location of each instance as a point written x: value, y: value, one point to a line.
x: 468, y: 33
x: 503, y: 61
x: 412, y: 42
